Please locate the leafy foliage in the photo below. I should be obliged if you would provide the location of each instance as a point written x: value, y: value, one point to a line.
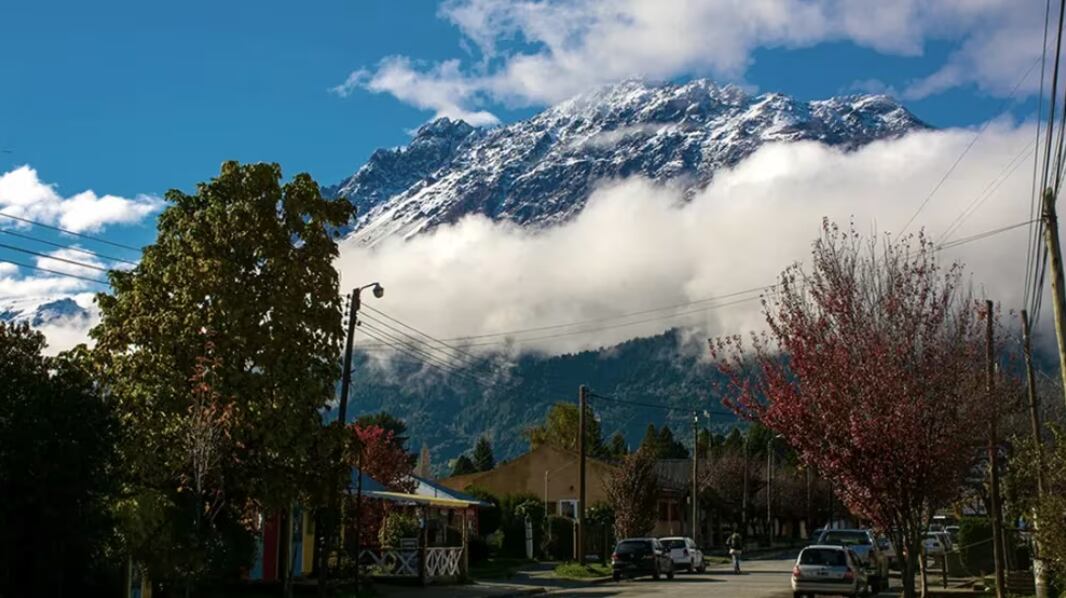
x: 386, y: 421
x: 463, y: 466
x: 57, y: 471
x: 617, y: 447
x: 873, y: 371
x: 632, y: 490
x: 483, y: 458
x: 662, y: 445
x: 241, y: 274
x: 397, y: 526
x: 560, y: 428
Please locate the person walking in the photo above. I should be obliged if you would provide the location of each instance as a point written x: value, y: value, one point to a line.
x: 735, y: 543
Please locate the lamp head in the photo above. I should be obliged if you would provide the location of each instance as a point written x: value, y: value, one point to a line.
x: 379, y: 291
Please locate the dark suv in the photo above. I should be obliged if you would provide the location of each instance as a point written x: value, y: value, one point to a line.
x: 641, y: 556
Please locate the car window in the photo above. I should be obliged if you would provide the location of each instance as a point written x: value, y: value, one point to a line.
x: 633, y: 547
x: 825, y: 557
x: 845, y: 538
x: 676, y: 543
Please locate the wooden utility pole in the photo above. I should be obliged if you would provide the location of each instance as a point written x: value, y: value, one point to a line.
x: 744, y: 496
x: 582, y: 401
x: 993, y: 456
x: 1040, y: 580
x: 695, y: 477
x: 1058, y: 292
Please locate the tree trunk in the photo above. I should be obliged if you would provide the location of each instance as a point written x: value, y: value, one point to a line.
x: 923, y: 565
x: 907, y: 573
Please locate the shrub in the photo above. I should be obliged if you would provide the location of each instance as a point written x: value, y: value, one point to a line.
x: 975, y: 540
x: 478, y: 549
x: 396, y: 526
x: 559, y: 544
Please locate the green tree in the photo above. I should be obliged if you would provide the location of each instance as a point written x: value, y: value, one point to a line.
x: 618, y: 447
x: 560, y: 429
x: 57, y: 471
x: 483, y: 459
x: 241, y: 274
x: 463, y: 466
x: 669, y: 447
x: 650, y: 442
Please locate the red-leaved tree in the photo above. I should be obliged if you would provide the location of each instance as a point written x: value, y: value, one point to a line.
x: 380, y: 456
x: 872, y: 369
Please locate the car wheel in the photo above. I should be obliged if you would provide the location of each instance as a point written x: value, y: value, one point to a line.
x: 655, y: 574
x: 616, y: 576
x: 670, y: 573
x: 689, y: 568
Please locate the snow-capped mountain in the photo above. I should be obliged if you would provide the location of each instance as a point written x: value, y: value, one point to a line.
x: 540, y: 171
x: 42, y: 311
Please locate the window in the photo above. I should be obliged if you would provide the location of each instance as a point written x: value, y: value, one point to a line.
x: 824, y: 557
x: 568, y: 508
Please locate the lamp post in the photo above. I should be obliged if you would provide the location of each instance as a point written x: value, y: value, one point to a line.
x: 342, y: 419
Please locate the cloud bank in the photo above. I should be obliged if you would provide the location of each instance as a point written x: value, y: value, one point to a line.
x: 639, y: 246
x: 537, y: 52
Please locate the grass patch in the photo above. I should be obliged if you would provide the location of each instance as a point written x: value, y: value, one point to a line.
x: 496, y: 568
x: 578, y: 571
x: 717, y: 560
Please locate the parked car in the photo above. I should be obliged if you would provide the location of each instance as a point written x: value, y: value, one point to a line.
x: 933, y: 545
x: 641, y: 556
x: 953, y: 533
x: 828, y: 570
x: 864, y: 544
x: 945, y: 539
x: 685, y: 554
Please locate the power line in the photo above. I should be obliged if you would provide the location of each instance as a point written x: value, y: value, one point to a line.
x: 967, y: 149
x: 74, y: 248
x: 57, y: 272
x: 988, y: 192
x: 423, y: 355
x: 52, y: 257
x: 399, y: 347
x: 686, y: 410
x: 70, y: 232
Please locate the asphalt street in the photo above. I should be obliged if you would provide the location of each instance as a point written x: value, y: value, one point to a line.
x: 759, y: 579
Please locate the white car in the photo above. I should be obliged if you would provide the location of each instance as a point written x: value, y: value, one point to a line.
x: 831, y: 570
x: 933, y: 545
x: 684, y: 553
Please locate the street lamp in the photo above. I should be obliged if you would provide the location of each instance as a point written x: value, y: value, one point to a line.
x: 342, y: 415
x: 353, y: 319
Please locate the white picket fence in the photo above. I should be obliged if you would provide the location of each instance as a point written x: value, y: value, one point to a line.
x: 441, y: 562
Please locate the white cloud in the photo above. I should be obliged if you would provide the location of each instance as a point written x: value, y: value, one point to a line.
x: 568, y: 46
x: 639, y: 246
x: 23, y: 194
x: 441, y: 88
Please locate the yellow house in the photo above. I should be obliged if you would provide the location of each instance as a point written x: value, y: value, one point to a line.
x: 546, y: 471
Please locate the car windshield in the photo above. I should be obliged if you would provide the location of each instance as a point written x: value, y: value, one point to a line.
x: 633, y: 546
x: 825, y: 557
x: 846, y: 538
x: 670, y: 544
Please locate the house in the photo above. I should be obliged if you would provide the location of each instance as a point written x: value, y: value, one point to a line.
x: 548, y: 472
x: 438, y: 508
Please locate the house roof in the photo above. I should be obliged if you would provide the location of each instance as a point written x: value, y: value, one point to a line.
x: 674, y: 474
x: 518, y: 464
x: 372, y: 488
x: 433, y: 489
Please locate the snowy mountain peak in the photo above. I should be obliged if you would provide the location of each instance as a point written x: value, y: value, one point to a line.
x: 539, y: 172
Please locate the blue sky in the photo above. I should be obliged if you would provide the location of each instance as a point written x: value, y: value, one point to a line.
x: 128, y: 98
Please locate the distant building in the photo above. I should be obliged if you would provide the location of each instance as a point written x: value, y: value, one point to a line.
x: 547, y: 472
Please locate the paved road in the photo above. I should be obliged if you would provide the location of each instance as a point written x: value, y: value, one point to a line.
x: 760, y: 579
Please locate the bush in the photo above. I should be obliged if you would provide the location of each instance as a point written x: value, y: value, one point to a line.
x: 478, y: 550
x: 975, y: 541
x: 559, y: 545
x: 488, y: 517
x: 396, y: 526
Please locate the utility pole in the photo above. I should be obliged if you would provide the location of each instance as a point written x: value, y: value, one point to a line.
x: 993, y: 456
x: 810, y: 518
x: 695, y: 477
x: 582, y: 401
x: 744, y: 498
x: 769, y: 491
x: 342, y: 419
x: 1040, y: 580
x: 1058, y: 293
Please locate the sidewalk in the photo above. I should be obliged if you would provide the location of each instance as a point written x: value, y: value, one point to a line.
x: 528, y: 580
